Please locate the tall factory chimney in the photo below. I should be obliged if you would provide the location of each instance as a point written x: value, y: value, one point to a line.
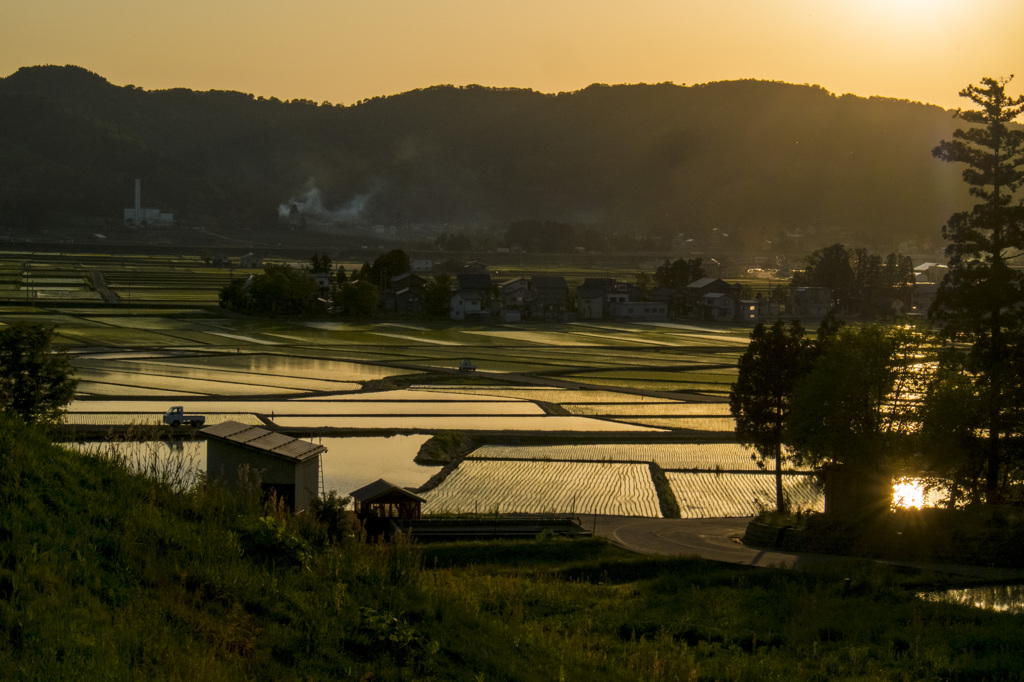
x: 138, y: 202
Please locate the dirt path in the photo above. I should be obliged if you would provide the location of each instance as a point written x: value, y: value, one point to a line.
x: 100, y: 285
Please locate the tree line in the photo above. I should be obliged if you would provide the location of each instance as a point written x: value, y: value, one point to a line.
x: 862, y: 283
x: 754, y: 158
x: 945, y: 402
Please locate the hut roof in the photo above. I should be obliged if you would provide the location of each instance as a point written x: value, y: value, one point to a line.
x: 379, y: 488
x: 270, y: 442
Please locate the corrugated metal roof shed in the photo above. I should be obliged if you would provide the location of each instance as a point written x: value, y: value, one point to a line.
x: 264, y: 440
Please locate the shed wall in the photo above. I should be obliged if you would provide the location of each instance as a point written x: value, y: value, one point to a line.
x: 298, y: 482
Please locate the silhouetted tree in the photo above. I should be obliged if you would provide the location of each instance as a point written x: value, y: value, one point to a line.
x: 36, y: 382
x: 829, y: 267
x: 278, y: 290
x: 759, y: 400
x: 679, y: 273
x: 320, y: 263
x: 437, y: 295
x: 356, y: 299
x: 951, y: 421
x: 857, y: 404
x: 981, y: 299
x: 386, y: 266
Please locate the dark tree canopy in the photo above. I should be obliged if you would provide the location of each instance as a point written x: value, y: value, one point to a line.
x: 391, y: 264
x: 437, y: 294
x: 279, y: 290
x: 951, y: 423
x: 356, y: 299
x: 861, y: 282
x: 856, y: 406
x: 679, y: 273
x: 320, y: 263
x: 981, y: 299
x: 36, y: 382
x: 760, y: 399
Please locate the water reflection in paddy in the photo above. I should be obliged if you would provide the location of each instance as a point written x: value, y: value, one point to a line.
x: 309, y: 407
x: 464, y: 422
x: 348, y: 464
x: 1004, y: 598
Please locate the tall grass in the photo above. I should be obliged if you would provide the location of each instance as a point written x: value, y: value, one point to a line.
x: 109, y: 574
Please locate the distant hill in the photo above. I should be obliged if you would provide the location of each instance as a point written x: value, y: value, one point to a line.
x: 753, y: 159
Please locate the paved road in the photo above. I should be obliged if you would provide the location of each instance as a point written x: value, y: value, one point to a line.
x: 719, y: 540
x: 715, y: 539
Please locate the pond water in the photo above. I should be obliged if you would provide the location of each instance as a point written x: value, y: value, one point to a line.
x: 1004, y: 598
x: 349, y: 463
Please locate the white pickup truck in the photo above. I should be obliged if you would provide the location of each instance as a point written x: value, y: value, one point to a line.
x: 176, y: 417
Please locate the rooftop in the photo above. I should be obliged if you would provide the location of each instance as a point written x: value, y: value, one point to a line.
x: 380, y: 487
x: 271, y: 442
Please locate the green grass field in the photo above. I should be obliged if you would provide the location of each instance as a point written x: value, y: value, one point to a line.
x: 107, y: 574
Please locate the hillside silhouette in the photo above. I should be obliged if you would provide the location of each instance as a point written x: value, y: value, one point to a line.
x: 753, y: 159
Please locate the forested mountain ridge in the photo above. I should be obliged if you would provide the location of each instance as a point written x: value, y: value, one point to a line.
x: 754, y: 159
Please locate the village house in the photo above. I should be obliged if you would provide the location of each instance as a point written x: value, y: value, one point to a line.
x: 810, y: 303
x: 550, y: 299
x: 596, y: 295
x: 591, y: 297
x: 250, y: 261
x: 927, y: 277
x: 638, y: 311
x: 516, y: 297
x: 421, y: 265
x: 473, y: 297
x: 404, y: 294
x: 674, y: 300
x: 715, y: 307
x: 748, y: 311
x: 698, y: 289
x: 468, y: 305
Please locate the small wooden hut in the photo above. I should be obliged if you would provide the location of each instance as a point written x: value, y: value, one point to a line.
x: 288, y: 466
x: 384, y: 500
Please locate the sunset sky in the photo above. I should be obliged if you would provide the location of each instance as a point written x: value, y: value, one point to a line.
x: 347, y: 50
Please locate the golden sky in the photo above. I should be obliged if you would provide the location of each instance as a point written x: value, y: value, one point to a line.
x: 347, y: 50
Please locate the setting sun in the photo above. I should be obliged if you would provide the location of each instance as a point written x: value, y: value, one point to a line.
x: 908, y: 493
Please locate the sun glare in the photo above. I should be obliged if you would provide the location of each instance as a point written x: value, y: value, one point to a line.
x: 908, y: 493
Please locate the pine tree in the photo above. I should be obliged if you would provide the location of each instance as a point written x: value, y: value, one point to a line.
x: 981, y: 299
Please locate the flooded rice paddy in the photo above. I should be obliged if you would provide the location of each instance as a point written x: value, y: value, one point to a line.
x: 348, y: 464
x: 586, y: 378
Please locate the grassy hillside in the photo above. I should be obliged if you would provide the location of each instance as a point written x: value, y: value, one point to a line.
x: 109, y: 575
